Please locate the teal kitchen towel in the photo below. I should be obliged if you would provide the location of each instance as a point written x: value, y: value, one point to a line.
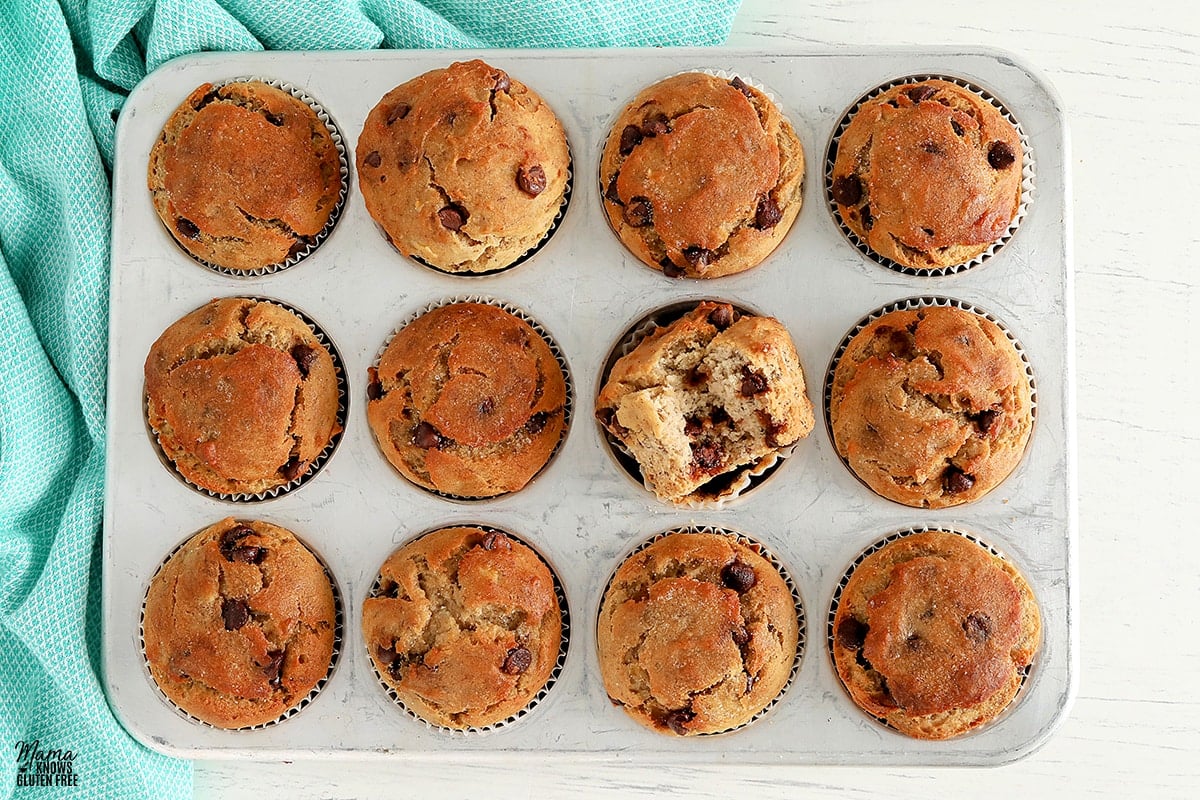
x: 65, y: 68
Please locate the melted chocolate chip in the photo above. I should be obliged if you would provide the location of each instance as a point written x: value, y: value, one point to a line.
x: 851, y: 634
x: 707, y: 455
x: 740, y: 85
x: 374, y: 390
x: 385, y: 655
x: 768, y: 214
x: 677, y: 720
x: 639, y: 212
x: 985, y: 420
x: 739, y: 576
x: 693, y: 426
x: 958, y: 129
x: 720, y: 416
x: 699, y: 257
x: 453, y: 217
x: 1000, y: 155
x: 721, y: 317
x: 656, y: 125
x: 741, y: 636
x: 771, y: 428
x: 671, y: 269
x: 955, y: 481
x: 235, y: 613
x: 868, y: 221
x: 274, y: 667
x: 293, y: 469
x: 978, y: 627
x: 249, y: 554
x: 753, y: 382
x: 495, y: 540
x: 187, y: 228
x: 611, y: 194
x: 305, y: 356
x: 373, y: 159
x: 537, y: 423
x: 847, y: 190
x: 532, y: 181
x: 398, y: 112
x: 231, y: 537
x: 502, y: 81
x: 426, y: 437
x: 631, y: 137
x: 919, y: 93
x: 517, y: 661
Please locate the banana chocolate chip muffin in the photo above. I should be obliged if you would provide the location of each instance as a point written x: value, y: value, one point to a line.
x: 697, y: 634
x: 705, y: 399
x: 244, y: 175
x: 465, y: 626
x: 933, y: 634
x: 467, y: 400
x: 701, y: 176
x: 239, y: 624
x: 242, y: 396
x: 928, y: 174
x: 931, y: 407
x: 464, y: 168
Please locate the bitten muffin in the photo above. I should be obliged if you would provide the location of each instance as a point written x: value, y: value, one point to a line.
x: 933, y: 634
x: 931, y: 407
x: 239, y: 624
x: 706, y: 398
x: 241, y: 395
x: 244, y: 175
x: 464, y: 168
x: 697, y: 634
x: 701, y: 176
x: 467, y: 400
x: 928, y: 174
x: 465, y: 626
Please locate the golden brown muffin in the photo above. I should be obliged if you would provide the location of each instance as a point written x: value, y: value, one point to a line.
x: 464, y: 168
x: 697, y: 634
x: 242, y: 396
x: 239, y: 624
x: 465, y: 626
x: 931, y: 407
x: 245, y: 175
x: 701, y: 176
x: 933, y: 634
x: 706, y: 398
x: 928, y: 174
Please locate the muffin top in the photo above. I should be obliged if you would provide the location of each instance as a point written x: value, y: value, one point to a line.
x: 701, y: 176
x: 465, y: 626
x: 464, y: 168
x: 239, y: 624
x: 928, y: 174
x: 697, y: 633
x: 931, y: 407
x: 933, y: 633
x: 244, y: 175
x: 467, y: 400
x: 241, y: 395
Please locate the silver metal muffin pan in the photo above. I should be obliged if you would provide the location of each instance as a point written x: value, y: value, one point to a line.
x: 583, y: 513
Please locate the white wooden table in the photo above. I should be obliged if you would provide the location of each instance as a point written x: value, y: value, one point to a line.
x: 1129, y: 76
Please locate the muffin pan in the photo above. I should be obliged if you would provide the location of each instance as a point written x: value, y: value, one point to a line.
x: 582, y: 513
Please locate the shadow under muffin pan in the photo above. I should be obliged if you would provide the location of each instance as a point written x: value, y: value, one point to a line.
x: 583, y: 511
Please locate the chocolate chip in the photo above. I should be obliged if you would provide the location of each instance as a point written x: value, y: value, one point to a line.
x: 537, y: 423
x: 695, y: 376
x: 631, y: 137
x: 639, y: 212
x: 671, y: 269
x: 920, y: 92
x: 740, y: 85
x: 721, y: 317
x: 486, y: 406
x: 677, y: 720
x: 517, y: 661
x: 768, y: 214
x: 958, y: 129
x: 741, y: 636
x: 611, y: 194
x: 868, y: 221
x: 385, y: 655
x: 293, y: 469
x: 495, y: 540
x: 502, y: 81
x: 698, y: 256
x: 692, y: 426
x: 847, y: 190
x: 275, y: 119
x: 656, y: 125
x: 753, y: 383
x: 426, y: 437
x: 955, y: 481
x: 374, y: 390
x: 398, y: 112
x: 249, y: 554
x: 771, y: 427
x: 978, y: 627
x: 305, y: 357
x: 739, y: 576
x: 720, y: 416
x: 235, y: 613
x: 453, y: 217
x: 532, y: 181
x: 851, y: 633
x: 187, y: 228
x: 707, y: 455
x: 231, y: 537
x: 1000, y: 155
x: 986, y: 419
x: 274, y: 667
x: 373, y: 159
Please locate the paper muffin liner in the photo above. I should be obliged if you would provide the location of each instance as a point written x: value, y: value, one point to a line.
x: 1028, y: 171
x: 729, y: 486
x: 765, y: 552
x: 556, y: 672
x: 343, y: 168
x: 304, y: 702
x: 531, y: 321
x: 830, y: 633
x: 317, y: 463
x: 916, y: 303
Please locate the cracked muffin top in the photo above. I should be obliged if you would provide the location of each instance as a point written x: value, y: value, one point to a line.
x: 697, y: 633
x: 928, y: 174
x: 933, y: 634
x: 241, y: 395
x: 465, y: 626
x: 467, y: 400
x: 244, y: 175
x: 701, y: 176
x: 931, y: 407
x: 239, y: 624
x: 464, y: 168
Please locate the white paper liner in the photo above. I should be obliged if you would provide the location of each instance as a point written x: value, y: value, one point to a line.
x: 334, y: 657
x: 531, y: 321
x: 762, y: 550
x: 314, y: 466
x: 1028, y: 171
x: 830, y: 633
x: 555, y: 672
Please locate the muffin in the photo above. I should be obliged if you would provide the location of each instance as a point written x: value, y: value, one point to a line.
x: 928, y: 174
x: 697, y: 634
x: 468, y: 400
x: 465, y: 626
x: 933, y: 634
x: 242, y: 396
x: 464, y: 168
x: 701, y: 401
x: 239, y: 624
x: 931, y: 407
x: 701, y: 176
x: 244, y: 175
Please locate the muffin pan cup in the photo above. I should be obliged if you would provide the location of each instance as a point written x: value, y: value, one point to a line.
x: 583, y: 511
